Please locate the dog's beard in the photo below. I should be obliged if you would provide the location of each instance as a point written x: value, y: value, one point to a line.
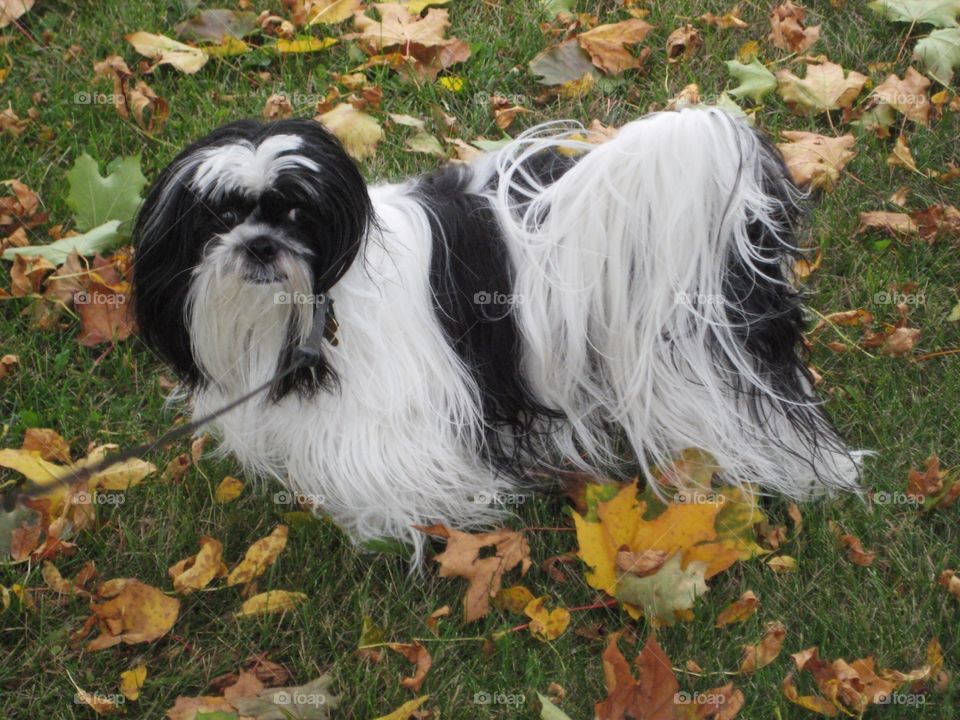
x: 241, y: 319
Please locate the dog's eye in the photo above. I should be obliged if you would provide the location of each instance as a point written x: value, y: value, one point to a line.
x: 294, y: 214
x: 231, y: 216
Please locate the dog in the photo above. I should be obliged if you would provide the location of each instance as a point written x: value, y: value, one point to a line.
x: 553, y: 304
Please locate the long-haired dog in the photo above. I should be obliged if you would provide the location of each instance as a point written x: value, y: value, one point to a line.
x: 554, y: 304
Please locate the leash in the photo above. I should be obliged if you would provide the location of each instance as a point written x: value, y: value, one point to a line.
x: 307, y: 354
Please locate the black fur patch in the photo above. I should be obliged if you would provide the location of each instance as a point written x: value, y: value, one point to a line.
x: 472, y: 284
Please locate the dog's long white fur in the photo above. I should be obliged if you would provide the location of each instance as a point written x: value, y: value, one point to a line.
x: 602, y: 260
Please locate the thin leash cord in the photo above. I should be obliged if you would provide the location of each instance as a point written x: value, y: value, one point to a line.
x: 306, y: 355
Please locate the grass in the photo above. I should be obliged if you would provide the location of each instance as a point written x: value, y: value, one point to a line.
x: 904, y: 410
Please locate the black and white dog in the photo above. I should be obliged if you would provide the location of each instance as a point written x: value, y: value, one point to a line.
x: 555, y: 303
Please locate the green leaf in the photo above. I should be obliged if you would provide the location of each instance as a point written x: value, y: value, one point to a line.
x: 101, y: 238
x: 942, y: 13
x: 939, y: 54
x: 561, y: 63
x: 549, y: 711
x: 755, y: 80
x: 96, y: 200
x: 216, y: 715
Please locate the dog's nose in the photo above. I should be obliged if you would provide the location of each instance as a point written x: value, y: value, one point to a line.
x: 262, y: 248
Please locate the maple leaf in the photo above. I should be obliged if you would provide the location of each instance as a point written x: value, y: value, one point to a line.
x: 756, y: 80
x: 726, y: 21
x: 788, y: 31
x: 936, y: 221
x: 357, y: 130
x: 824, y: 88
x: 683, y: 43
x: 942, y: 13
x: 902, y: 157
x: 608, y: 45
x: 815, y: 161
x: 934, y: 487
x: 907, y: 95
x: 891, y: 223
x: 133, y: 613
x: 939, y: 54
x: 461, y: 558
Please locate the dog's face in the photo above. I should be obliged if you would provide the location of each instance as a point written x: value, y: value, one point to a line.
x: 239, y: 221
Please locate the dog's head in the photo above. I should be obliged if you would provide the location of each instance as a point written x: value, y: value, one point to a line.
x: 239, y: 235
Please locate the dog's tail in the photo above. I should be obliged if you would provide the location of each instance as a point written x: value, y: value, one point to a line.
x: 654, y: 293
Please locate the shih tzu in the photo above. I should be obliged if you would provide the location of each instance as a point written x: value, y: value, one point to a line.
x: 554, y: 304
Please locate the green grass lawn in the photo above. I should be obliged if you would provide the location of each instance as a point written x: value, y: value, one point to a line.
x: 904, y: 410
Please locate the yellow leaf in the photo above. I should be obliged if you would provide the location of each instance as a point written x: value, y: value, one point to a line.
x: 418, y: 6
x: 229, y: 489
x: 782, y: 564
x: 406, y: 710
x: 816, y: 160
x: 131, y: 681
x: 303, y: 45
x: 135, y: 613
x: 453, y: 83
x: 330, y: 12
x: 228, y: 47
x: 163, y: 50
x: 272, y: 601
x: 121, y: 476
x: 546, y: 625
x: 32, y: 466
x: 196, y: 572
x: 595, y: 550
x: 607, y: 44
x: 678, y: 527
x: 824, y: 88
x: 514, y: 599
x: 358, y: 131
x: 765, y: 651
x: 259, y: 557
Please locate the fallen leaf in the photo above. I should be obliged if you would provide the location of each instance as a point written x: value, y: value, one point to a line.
x: 259, y: 557
x: 405, y: 711
x: 563, y: 63
x: 907, y: 96
x: 131, y: 682
x: 546, y: 625
x: 739, y: 610
x: 824, y: 88
x: 417, y: 654
x: 166, y: 51
x: 272, y: 601
x: 942, y: 13
x: 900, y: 342
x: 331, y: 12
x: 306, y: 44
x: 755, y: 79
x: 939, y: 53
x: 434, y: 618
x: 357, y: 130
x: 196, y: 572
x: 8, y: 365
x: 855, y: 551
x: 891, y: 223
x: 514, y: 599
x: 683, y: 43
x: 788, y: 31
x: 484, y: 575
x: 13, y: 10
x: 815, y: 161
x: 607, y: 45
x: 134, y: 613
x: 782, y: 564
x: 277, y: 107
x: 726, y: 21
x: 766, y: 651
x: 228, y: 490
x: 217, y: 25
x: 937, y: 221
x: 901, y: 156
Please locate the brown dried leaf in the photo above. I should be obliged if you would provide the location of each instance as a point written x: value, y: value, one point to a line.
x: 816, y: 160
x: 824, y: 88
x: 788, y: 31
x: 607, y: 45
x: 766, y: 651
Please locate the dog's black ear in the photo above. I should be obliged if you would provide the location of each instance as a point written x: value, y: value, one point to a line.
x: 167, y: 246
